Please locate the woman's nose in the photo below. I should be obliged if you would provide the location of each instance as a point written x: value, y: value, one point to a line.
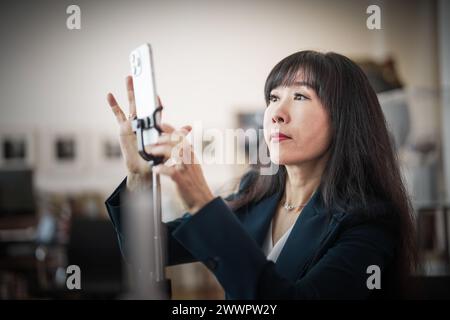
x: 277, y: 119
x: 280, y: 116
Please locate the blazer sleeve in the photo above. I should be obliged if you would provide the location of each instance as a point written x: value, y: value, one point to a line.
x: 177, y: 254
x: 215, y: 236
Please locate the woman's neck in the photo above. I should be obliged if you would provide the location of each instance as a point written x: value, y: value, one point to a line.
x: 302, y: 180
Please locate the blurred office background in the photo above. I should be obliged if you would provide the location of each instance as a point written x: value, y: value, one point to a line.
x: 59, y: 154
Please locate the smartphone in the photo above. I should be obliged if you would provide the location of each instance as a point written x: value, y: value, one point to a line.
x: 142, y: 71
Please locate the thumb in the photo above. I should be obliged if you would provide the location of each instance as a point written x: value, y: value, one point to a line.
x: 167, y: 128
x: 186, y: 128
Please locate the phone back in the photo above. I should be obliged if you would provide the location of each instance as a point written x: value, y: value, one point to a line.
x: 142, y: 71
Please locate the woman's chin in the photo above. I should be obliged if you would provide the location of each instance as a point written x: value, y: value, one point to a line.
x: 278, y: 160
x: 285, y: 159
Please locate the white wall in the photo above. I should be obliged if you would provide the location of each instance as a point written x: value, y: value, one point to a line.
x: 212, y: 58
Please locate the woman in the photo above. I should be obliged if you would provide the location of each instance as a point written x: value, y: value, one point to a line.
x: 335, y: 211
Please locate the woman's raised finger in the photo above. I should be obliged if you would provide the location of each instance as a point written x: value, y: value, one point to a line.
x: 160, y: 150
x: 130, y: 93
x: 120, y: 116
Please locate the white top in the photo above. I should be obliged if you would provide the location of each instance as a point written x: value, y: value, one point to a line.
x: 273, y: 251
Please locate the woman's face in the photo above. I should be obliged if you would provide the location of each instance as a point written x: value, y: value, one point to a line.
x: 296, y: 125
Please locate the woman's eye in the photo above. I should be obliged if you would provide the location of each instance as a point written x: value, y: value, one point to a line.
x: 299, y: 96
x: 272, y: 97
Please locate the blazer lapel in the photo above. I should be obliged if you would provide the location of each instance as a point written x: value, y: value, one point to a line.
x: 257, y: 220
x: 310, y: 228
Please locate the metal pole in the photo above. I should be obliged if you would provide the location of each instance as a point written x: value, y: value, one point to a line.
x: 160, y: 239
x: 159, y: 234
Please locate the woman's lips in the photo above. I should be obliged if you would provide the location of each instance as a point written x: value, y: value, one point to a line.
x: 278, y: 137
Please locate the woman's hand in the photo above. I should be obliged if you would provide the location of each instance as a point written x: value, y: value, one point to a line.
x: 139, y: 175
x: 188, y: 175
x: 185, y: 170
x: 128, y: 145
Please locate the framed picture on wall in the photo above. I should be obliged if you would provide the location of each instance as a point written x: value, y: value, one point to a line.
x: 63, y: 151
x: 105, y: 152
x: 17, y: 147
x: 65, y: 148
x: 110, y: 149
x: 105, y: 158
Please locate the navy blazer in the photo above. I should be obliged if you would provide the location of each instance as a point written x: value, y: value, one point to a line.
x: 325, y: 257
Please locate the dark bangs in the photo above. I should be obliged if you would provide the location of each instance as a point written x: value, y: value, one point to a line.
x: 308, y: 67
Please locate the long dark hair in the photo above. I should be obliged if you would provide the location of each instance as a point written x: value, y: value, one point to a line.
x: 362, y: 164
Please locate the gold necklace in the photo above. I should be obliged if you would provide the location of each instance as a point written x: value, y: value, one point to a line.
x: 290, y: 207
